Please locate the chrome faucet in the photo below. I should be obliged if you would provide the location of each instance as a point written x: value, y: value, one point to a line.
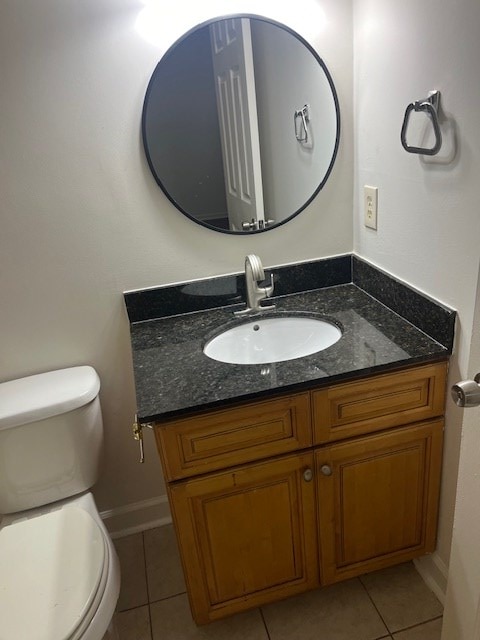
x: 254, y: 274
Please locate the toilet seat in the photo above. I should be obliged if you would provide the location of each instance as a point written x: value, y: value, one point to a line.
x: 81, y: 629
x: 53, y: 570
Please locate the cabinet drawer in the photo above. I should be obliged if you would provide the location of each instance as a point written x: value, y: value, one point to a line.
x: 380, y: 402
x: 219, y: 439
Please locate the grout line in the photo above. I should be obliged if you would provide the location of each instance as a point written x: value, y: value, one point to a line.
x: 137, y: 606
x: 172, y: 595
x: 145, y: 567
x: 146, y: 582
x: 264, y: 623
x: 418, y: 624
x: 413, y: 626
x: 374, y: 605
x: 150, y: 622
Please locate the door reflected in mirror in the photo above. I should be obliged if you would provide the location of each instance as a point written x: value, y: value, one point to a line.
x: 241, y: 124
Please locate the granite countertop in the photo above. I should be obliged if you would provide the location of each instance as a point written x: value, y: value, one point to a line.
x: 173, y: 376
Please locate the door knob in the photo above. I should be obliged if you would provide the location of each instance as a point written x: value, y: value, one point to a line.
x: 249, y: 226
x: 466, y: 393
x: 326, y: 469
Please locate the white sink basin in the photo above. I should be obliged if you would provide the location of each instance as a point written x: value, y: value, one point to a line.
x: 267, y: 340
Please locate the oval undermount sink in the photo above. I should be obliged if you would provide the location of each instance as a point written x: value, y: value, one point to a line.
x: 267, y: 340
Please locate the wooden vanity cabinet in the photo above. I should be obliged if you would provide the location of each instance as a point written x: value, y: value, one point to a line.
x: 275, y: 497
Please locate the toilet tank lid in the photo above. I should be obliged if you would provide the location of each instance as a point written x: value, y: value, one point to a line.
x: 45, y: 395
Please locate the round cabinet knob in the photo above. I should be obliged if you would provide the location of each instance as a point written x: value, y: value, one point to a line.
x: 326, y: 469
x: 308, y: 475
x: 466, y: 393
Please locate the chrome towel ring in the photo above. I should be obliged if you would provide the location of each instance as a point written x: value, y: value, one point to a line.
x: 301, y: 128
x: 431, y: 106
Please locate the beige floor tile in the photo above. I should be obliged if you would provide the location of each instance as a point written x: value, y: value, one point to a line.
x: 401, y: 596
x: 133, y: 590
x: 133, y: 624
x: 172, y: 620
x: 340, y: 612
x: 164, y: 570
x: 427, y: 631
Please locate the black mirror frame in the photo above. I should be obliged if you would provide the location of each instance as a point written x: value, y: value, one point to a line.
x: 337, y: 111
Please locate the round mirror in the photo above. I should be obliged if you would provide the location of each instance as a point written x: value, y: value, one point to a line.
x: 241, y: 124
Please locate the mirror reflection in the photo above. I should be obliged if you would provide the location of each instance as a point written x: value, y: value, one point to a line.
x: 241, y: 124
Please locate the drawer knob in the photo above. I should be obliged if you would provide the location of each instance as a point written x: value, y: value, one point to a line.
x: 326, y: 469
x: 308, y: 475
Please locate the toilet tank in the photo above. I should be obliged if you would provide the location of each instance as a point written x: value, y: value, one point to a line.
x: 51, y: 436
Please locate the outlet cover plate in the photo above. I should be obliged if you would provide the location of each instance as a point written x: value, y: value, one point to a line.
x: 370, y: 206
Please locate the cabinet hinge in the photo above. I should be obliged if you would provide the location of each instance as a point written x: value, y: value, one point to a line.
x: 137, y: 429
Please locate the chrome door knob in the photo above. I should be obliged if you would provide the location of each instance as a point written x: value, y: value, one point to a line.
x: 249, y: 226
x: 466, y: 393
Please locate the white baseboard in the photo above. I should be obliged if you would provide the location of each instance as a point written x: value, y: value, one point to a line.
x: 139, y: 516
x: 434, y: 573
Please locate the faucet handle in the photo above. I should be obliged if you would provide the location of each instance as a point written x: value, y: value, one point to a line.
x: 268, y: 291
x: 269, y: 288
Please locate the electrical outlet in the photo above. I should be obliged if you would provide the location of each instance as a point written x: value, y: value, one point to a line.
x: 370, y: 202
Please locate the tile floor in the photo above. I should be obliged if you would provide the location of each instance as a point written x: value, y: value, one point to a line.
x: 393, y: 603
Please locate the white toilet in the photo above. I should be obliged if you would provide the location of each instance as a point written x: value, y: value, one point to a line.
x: 59, y: 573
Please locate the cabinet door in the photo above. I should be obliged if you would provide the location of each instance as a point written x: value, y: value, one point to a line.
x: 378, y: 499
x: 247, y: 536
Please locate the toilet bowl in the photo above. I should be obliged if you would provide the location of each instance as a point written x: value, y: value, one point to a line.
x: 60, y: 575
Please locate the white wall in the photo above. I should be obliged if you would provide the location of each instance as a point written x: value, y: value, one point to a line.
x: 83, y: 220
x: 428, y: 222
x: 291, y: 169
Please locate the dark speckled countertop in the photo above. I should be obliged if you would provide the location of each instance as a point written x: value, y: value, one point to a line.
x: 173, y: 376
